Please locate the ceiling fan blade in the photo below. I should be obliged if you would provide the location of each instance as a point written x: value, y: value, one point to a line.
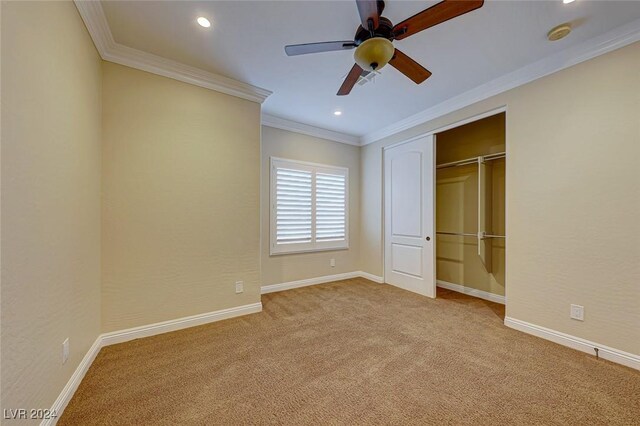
x: 351, y: 80
x: 370, y: 10
x: 437, y: 14
x: 328, y: 46
x: 409, y: 67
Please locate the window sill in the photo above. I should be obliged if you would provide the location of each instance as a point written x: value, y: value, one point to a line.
x: 303, y: 251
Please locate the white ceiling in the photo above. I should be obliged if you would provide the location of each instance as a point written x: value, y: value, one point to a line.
x: 246, y: 42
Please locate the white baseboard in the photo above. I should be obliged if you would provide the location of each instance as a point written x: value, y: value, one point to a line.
x: 106, y: 339
x: 272, y: 288
x: 178, y: 324
x: 121, y: 336
x: 472, y: 292
x: 605, y: 352
x: 72, y: 385
x: 371, y: 277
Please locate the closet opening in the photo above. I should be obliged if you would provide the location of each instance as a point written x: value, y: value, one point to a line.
x: 470, y: 209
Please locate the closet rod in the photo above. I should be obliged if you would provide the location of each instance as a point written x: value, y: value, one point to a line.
x: 472, y: 160
x: 463, y: 234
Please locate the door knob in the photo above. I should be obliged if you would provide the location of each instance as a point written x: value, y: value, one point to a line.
x: 428, y: 238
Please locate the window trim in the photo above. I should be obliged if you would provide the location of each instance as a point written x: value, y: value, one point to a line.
x: 313, y: 246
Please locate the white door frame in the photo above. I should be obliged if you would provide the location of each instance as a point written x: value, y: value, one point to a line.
x: 453, y: 125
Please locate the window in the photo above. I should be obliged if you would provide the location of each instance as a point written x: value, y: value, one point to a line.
x: 309, y: 207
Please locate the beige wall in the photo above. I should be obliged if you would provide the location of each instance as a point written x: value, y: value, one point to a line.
x: 573, y: 197
x: 178, y: 221
x: 181, y: 199
x: 294, y: 146
x: 457, y: 259
x: 482, y: 137
x: 51, y: 114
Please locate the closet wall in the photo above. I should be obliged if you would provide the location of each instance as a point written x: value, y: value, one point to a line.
x: 457, y: 259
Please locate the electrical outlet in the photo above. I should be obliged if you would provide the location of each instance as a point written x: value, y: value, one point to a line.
x: 577, y: 312
x: 239, y: 286
x: 332, y: 263
x: 65, y: 350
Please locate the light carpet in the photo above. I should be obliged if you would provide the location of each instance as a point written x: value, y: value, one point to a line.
x: 355, y: 352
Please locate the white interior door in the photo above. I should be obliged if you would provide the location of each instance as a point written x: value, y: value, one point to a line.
x: 409, y: 216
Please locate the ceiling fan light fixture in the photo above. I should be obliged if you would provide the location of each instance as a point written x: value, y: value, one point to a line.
x: 374, y: 53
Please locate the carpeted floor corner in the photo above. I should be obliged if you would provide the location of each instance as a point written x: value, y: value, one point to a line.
x: 354, y: 352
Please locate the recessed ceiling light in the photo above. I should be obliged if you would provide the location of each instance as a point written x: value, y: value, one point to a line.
x: 204, y: 22
x: 337, y: 112
x: 568, y: 1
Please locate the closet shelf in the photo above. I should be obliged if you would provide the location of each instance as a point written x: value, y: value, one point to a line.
x: 472, y: 160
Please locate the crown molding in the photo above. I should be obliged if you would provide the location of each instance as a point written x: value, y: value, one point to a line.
x: 144, y: 61
x: 306, y: 129
x: 96, y: 22
x: 589, y: 49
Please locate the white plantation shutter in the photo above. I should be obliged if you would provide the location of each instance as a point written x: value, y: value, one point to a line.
x: 330, y: 207
x: 293, y: 206
x: 309, y: 207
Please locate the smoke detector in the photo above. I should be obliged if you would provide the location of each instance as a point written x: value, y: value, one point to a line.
x: 559, y: 32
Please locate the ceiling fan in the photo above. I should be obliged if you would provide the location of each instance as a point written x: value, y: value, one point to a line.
x: 374, y: 37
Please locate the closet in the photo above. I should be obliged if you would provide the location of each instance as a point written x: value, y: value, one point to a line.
x: 470, y: 208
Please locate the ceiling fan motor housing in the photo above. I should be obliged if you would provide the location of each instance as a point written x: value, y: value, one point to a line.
x: 384, y: 30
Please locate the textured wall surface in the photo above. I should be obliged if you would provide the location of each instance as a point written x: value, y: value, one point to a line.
x: 181, y: 199
x: 166, y: 211
x: 294, y: 146
x: 573, y: 196
x: 51, y: 115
